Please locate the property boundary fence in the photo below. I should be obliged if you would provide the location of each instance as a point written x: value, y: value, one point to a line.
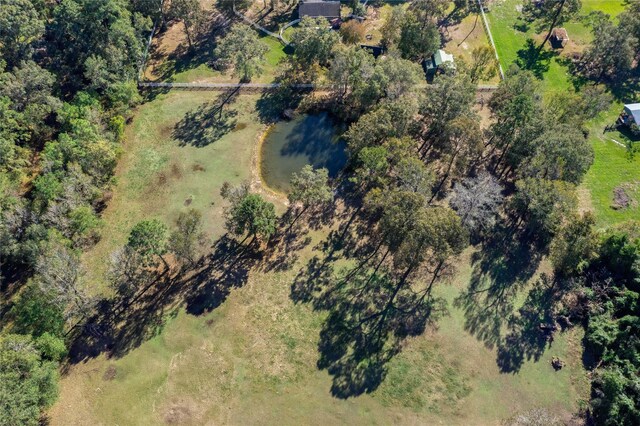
x: 488, y: 30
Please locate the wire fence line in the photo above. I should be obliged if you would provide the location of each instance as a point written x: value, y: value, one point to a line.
x: 265, y: 86
x: 258, y: 26
x: 488, y: 30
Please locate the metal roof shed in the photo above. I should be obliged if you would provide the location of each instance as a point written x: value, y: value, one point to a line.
x: 319, y: 8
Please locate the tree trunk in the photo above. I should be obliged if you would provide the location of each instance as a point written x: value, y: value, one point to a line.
x: 553, y: 24
x: 446, y: 176
x: 188, y: 33
x: 295, y: 219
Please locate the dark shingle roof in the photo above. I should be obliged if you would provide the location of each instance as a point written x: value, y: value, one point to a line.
x: 315, y: 8
x: 560, y: 34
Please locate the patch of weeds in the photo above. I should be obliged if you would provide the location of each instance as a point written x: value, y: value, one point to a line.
x: 625, y: 196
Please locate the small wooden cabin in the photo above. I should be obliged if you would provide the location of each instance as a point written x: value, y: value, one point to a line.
x: 559, y: 38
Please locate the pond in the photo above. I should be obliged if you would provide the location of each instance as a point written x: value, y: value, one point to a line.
x: 290, y: 145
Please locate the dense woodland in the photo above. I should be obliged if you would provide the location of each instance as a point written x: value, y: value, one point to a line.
x: 425, y: 181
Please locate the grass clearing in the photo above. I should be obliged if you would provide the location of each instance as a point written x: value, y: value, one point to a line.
x: 159, y: 178
x: 613, y: 168
x: 253, y: 359
x: 511, y: 39
x: 465, y: 36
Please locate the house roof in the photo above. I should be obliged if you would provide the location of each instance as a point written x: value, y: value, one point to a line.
x: 560, y: 34
x: 316, y: 8
x: 440, y: 57
x: 634, y: 111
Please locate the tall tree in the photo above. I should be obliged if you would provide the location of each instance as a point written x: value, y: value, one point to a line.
x: 352, y: 32
x: 314, y: 40
x: 150, y: 238
x: 517, y: 113
x: 391, y: 27
x: 372, y: 166
x: 28, y: 380
x: 20, y: 29
x: 429, y: 10
x: 188, y: 237
x: 477, y: 200
x: 550, y: 14
x: 191, y: 14
x: 310, y: 187
x: 388, y: 120
x: 413, y: 175
x: 115, y: 46
x: 561, y: 153
x: 418, y: 39
x: 484, y: 64
x: 253, y: 216
x: 450, y: 99
x: 463, y: 145
x: 543, y: 205
x: 575, y: 247
x: 60, y: 276
x: 29, y: 87
x: 611, y: 51
x: 242, y: 49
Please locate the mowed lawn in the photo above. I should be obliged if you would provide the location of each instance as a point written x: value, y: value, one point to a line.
x: 511, y: 37
x: 612, y: 166
x: 159, y: 176
x: 253, y: 359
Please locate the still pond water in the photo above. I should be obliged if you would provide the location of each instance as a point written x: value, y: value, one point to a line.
x: 290, y: 145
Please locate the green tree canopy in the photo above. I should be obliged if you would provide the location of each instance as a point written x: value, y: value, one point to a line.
x: 28, y: 382
x: 418, y: 39
x: 314, y: 41
x: 252, y: 215
x: 20, y: 28
x: 561, y: 153
x: 188, y: 237
x: 543, y: 205
x: 242, y: 50
x: 310, y: 187
x: 149, y: 238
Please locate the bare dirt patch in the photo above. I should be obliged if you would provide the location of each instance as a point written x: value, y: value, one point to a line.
x: 162, y: 46
x: 110, y: 373
x: 178, y: 414
x: 240, y: 126
x: 176, y: 171
x: 624, y: 196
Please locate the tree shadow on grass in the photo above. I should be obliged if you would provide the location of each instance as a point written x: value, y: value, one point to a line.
x: 366, y: 328
x: 531, y: 328
x: 370, y: 308
x: 122, y: 324
x: 501, y: 269
x: 227, y: 268
x: 531, y: 58
x: 186, y: 57
x: 208, y: 122
x: 275, y: 101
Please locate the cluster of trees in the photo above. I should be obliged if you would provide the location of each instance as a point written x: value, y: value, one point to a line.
x: 597, y: 274
x: 615, y: 48
x: 67, y: 82
x: 431, y: 179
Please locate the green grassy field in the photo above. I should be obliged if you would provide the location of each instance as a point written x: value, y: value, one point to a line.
x: 510, y: 38
x: 253, y: 359
x: 612, y: 166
